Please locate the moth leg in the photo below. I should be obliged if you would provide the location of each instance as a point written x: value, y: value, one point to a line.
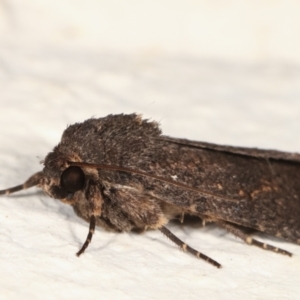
x: 181, y: 217
x: 186, y: 247
x: 93, y: 197
x: 30, y: 182
x: 237, y: 231
x: 89, y: 236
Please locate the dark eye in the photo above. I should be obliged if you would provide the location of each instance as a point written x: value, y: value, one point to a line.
x: 72, y: 179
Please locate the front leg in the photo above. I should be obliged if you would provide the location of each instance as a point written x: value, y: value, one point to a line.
x: 94, y: 204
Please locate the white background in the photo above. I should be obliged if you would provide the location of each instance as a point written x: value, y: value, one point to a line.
x: 220, y: 71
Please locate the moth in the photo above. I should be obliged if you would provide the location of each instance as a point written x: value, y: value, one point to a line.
x: 121, y: 173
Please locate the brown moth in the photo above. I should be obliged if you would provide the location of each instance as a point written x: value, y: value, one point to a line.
x: 121, y: 173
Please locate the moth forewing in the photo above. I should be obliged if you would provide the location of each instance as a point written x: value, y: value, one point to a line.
x: 120, y: 173
x: 265, y: 188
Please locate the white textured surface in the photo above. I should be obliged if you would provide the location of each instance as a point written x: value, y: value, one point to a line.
x: 65, y: 61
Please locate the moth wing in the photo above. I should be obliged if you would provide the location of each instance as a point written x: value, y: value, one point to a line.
x: 264, y: 185
x: 251, y: 152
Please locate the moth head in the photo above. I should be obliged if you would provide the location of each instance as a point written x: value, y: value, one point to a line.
x: 70, y: 181
x: 61, y: 180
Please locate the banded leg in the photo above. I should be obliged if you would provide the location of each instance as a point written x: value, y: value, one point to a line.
x: 89, y: 236
x: 33, y: 180
x: 93, y: 197
x: 186, y: 247
x: 238, y: 231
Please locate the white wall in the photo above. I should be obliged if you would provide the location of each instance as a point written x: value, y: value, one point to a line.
x: 252, y: 31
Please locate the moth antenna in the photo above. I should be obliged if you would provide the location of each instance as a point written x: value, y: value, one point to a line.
x: 30, y: 182
x: 186, y: 247
x: 134, y: 171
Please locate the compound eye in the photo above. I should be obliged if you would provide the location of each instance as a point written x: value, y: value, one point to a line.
x: 72, y: 179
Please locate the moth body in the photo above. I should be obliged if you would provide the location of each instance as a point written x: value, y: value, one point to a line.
x: 121, y: 173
